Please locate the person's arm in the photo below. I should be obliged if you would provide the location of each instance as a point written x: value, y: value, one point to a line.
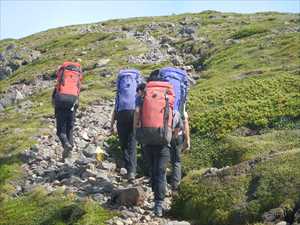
x: 187, y: 139
x: 112, y: 120
x: 136, y: 119
x: 53, y: 97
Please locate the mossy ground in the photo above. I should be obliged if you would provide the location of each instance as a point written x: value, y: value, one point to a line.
x: 39, y: 207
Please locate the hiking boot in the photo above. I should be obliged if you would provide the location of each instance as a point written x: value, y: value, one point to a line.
x: 67, y: 149
x: 158, y: 209
x: 131, y: 177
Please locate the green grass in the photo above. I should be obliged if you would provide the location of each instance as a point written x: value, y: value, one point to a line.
x: 41, y: 208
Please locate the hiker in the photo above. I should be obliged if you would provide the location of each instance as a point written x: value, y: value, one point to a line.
x: 180, y: 138
x: 123, y: 113
x: 65, y: 99
x: 153, y: 128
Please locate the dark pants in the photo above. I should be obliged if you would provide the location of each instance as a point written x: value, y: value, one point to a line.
x: 175, y: 153
x: 159, y: 157
x: 127, y: 139
x: 65, y: 118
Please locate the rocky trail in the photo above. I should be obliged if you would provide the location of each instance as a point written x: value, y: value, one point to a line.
x: 85, y: 174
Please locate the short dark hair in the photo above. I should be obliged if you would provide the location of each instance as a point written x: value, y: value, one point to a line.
x: 154, y: 76
x: 140, y: 87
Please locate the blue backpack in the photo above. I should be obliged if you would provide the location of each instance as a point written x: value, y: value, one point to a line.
x: 127, y: 83
x: 179, y: 79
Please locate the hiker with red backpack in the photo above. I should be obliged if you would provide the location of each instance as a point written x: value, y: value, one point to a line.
x: 65, y: 99
x: 127, y: 83
x: 153, y: 123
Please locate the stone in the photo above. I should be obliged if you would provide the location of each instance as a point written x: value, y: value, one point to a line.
x: 177, y: 223
x: 118, y: 222
x: 145, y: 218
x: 108, y: 166
x: 102, y: 62
x: 105, y: 73
x: 123, y: 171
x: 92, y: 179
x: 90, y: 151
x: 273, y: 215
x: 88, y: 173
x: 107, y: 187
x: 282, y: 223
x: 176, y: 60
x: 85, y: 136
x: 127, y: 214
x: 187, y: 30
x: 28, y: 156
x: 129, y: 196
x: 82, y: 143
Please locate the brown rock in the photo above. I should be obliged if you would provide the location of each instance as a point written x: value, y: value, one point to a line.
x: 128, y: 196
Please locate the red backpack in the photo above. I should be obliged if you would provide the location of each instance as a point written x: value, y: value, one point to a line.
x: 69, y: 77
x: 156, y: 114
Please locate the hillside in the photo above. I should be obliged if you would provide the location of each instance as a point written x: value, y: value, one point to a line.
x: 243, y: 167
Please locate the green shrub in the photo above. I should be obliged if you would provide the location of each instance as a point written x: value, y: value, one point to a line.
x: 243, y: 198
x: 248, y: 31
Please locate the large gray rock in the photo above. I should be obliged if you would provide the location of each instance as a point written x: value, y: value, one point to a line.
x: 274, y: 215
x: 129, y: 196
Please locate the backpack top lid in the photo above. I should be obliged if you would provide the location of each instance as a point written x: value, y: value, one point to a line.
x: 127, y: 84
x: 179, y: 79
x: 129, y: 71
x: 173, y: 69
x: 67, y: 63
x: 169, y: 71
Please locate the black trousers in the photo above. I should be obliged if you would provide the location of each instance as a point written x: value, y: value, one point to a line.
x: 175, y: 153
x: 159, y: 157
x: 127, y: 139
x: 65, y: 111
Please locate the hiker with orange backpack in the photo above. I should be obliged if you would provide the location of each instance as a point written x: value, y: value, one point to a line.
x: 153, y: 129
x: 65, y: 99
x: 127, y: 83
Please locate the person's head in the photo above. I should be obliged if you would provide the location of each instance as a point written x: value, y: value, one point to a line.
x: 154, y: 76
x: 140, y: 89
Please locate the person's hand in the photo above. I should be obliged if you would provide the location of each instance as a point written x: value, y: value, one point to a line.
x: 186, y: 146
x: 112, y: 130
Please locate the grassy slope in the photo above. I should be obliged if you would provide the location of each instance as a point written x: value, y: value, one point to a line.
x: 224, y: 100
x: 253, y: 84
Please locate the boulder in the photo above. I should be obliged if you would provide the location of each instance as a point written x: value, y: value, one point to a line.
x: 274, y: 215
x: 128, y: 196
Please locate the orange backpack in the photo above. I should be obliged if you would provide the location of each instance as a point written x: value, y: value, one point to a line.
x: 69, y: 77
x: 157, y: 114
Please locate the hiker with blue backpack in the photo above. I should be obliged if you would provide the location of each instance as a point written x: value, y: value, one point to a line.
x: 180, y: 138
x: 127, y: 83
